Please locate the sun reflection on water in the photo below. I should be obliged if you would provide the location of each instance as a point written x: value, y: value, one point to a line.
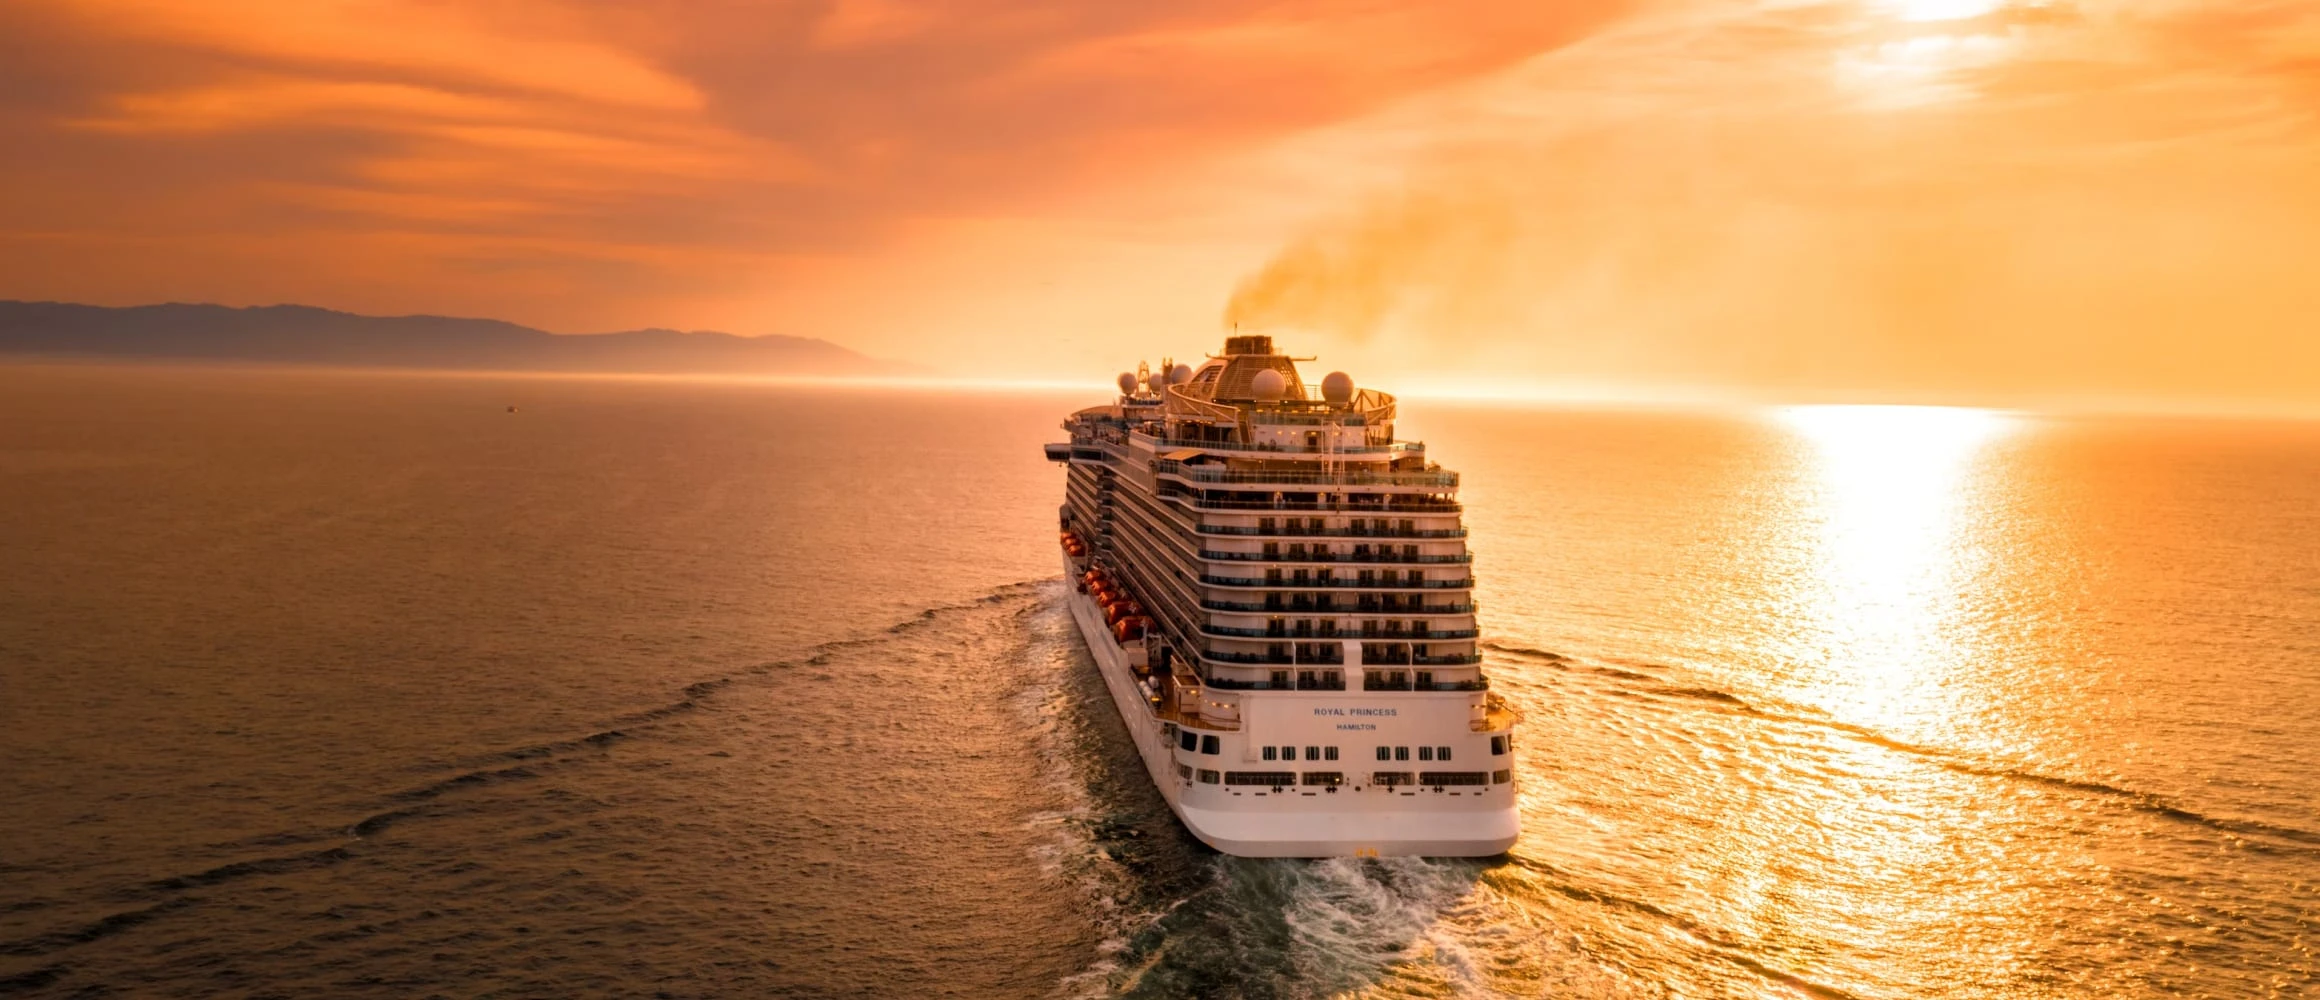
x: 1891, y: 561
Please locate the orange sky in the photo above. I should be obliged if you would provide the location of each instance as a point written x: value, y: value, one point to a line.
x: 1928, y: 200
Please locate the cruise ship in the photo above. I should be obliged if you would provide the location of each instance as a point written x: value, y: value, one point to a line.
x: 1279, y: 596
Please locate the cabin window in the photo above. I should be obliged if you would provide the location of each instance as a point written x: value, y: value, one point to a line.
x: 1208, y: 745
x: 1329, y: 753
x: 1269, y: 753
x: 1208, y: 777
x: 1184, y: 771
x: 1501, y: 777
x: 1385, y: 753
x: 1425, y: 753
x: 1498, y: 746
x: 1188, y: 740
x: 1281, y: 677
x: 1266, y: 525
x: 1401, y: 753
x: 1441, y: 753
x: 1312, y: 753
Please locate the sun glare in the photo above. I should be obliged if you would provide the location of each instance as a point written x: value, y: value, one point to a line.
x: 1942, y: 10
x: 1890, y: 488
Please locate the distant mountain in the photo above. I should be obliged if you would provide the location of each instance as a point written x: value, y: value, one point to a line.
x: 306, y: 335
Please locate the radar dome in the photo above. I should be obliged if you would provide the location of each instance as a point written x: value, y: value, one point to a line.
x: 1337, y: 387
x: 1127, y: 383
x: 1179, y: 374
x: 1269, y: 385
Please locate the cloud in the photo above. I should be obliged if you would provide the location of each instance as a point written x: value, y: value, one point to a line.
x: 774, y: 133
x: 2029, y: 202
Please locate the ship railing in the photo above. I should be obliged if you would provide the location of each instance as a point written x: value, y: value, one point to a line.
x: 1233, y: 684
x: 1334, y: 557
x: 1366, y: 448
x: 1267, y: 607
x: 1371, y: 681
x: 1339, y: 582
x: 1344, y: 477
x: 1284, y: 531
x: 1231, y: 632
x: 1273, y: 659
x: 1345, y: 506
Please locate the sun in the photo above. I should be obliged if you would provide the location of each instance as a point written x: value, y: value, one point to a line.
x: 1941, y: 10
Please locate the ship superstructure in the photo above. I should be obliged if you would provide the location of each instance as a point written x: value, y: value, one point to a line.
x: 1280, y: 598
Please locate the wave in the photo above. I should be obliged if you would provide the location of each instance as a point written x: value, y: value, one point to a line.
x: 25, y: 982
x: 1952, y: 760
x: 515, y: 764
x: 1514, y: 650
x: 97, y: 930
x: 1731, y: 951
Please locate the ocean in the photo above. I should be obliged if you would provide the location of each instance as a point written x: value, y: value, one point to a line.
x: 319, y: 683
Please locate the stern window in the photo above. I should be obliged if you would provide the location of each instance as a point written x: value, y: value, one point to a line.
x: 1208, y: 744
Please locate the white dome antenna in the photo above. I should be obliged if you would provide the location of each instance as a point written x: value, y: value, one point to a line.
x: 1337, y: 387
x: 1269, y: 386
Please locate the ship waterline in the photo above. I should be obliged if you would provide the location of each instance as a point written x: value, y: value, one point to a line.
x: 1278, y: 595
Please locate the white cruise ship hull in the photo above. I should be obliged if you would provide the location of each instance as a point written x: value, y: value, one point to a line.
x: 1356, y: 819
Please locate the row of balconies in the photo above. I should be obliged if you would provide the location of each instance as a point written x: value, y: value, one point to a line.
x: 1351, y: 503
x: 1349, y: 476
x: 1336, y: 655
x: 1332, y: 680
x: 1275, y: 579
x: 1381, y: 555
x: 1296, y: 528
x: 1329, y: 604
x: 1328, y: 630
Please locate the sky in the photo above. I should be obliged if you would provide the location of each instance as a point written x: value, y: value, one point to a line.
x: 2109, y: 202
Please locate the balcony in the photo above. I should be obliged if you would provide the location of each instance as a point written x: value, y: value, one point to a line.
x: 1495, y: 717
